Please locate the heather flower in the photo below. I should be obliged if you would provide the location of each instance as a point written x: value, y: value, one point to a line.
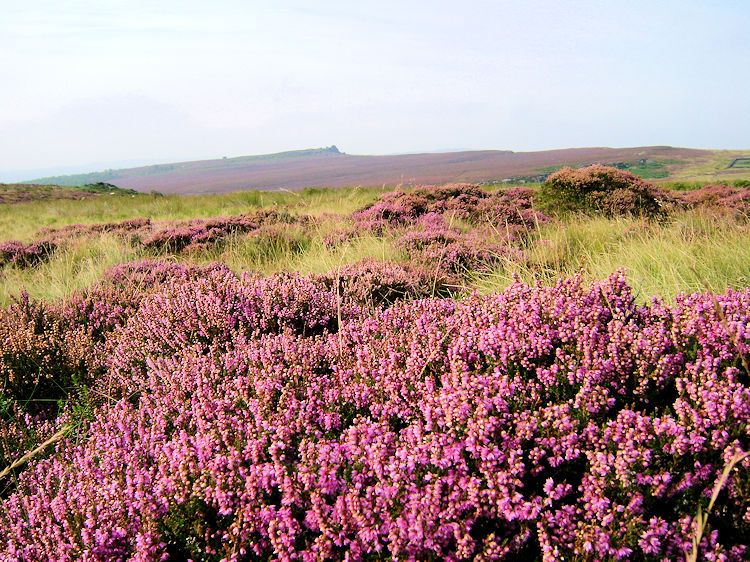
x: 721, y: 199
x: 543, y: 422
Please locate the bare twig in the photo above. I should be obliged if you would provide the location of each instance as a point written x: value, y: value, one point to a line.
x: 31, y: 454
x: 701, y: 518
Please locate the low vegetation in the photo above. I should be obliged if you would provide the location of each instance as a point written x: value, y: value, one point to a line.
x: 26, y: 192
x: 444, y: 372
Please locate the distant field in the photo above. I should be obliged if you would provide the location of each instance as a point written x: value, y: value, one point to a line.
x: 331, y: 168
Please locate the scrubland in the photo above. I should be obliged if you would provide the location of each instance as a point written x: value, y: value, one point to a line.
x: 546, y: 372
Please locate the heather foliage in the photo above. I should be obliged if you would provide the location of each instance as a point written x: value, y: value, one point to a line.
x: 361, y: 413
x: 372, y: 283
x: 605, y: 190
x: 510, y: 209
x: 40, y: 355
x: 720, y: 199
x: 278, y: 417
x: 25, y: 255
x: 450, y: 250
x: 426, y: 223
x: 173, y: 237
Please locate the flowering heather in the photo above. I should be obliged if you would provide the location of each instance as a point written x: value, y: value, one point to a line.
x: 212, y: 311
x: 452, y: 251
x: 605, y: 190
x: 201, y: 233
x: 72, y: 230
x: 372, y: 283
x: 39, y: 354
x: 509, y: 208
x: 25, y: 255
x: 42, y: 360
x: 167, y: 236
x: 540, y: 422
x: 723, y: 199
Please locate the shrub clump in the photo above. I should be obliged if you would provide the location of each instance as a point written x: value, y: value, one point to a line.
x: 373, y: 283
x: 456, y: 253
x: 25, y: 255
x: 461, y: 201
x: 722, y: 199
x: 605, y: 190
x: 41, y: 354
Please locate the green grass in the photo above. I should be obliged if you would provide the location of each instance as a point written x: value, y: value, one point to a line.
x: 69, y: 269
x: 687, y: 254
x: 22, y: 221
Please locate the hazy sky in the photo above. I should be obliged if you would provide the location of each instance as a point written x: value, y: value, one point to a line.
x: 88, y: 84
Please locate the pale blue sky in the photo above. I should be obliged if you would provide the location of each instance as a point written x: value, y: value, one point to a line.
x: 89, y: 84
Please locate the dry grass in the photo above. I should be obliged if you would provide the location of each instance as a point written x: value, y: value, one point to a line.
x: 683, y: 255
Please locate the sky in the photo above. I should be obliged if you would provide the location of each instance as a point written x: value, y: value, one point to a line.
x: 92, y: 84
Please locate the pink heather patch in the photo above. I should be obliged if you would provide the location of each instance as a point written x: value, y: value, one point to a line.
x: 277, y: 417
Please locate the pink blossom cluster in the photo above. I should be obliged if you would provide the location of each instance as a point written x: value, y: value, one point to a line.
x: 253, y: 417
x: 424, y: 223
x: 121, y: 227
x: 454, y: 252
x: 510, y: 208
x: 25, y: 255
x: 372, y: 283
x: 203, y: 233
x: 720, y: 198
x: 161, y: 237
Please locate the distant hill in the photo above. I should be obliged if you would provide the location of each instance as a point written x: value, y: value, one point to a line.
x: 329, y: 167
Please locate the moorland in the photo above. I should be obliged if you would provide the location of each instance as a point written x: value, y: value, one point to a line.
x: 329, y: 167
x: 538, y: 371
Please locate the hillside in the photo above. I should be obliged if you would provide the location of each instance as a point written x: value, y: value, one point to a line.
x: 328, y: 167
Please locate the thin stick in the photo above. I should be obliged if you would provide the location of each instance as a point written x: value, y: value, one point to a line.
x: 31, y: 454
x: 702, y: 518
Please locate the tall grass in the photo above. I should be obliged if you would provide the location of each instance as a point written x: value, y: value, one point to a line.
x: 80, y: 264
x: 21, y: 221
x: 683, y: 255
x: 71, y: 268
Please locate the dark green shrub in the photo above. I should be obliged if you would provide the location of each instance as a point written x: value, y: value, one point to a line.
x: 604, y: 190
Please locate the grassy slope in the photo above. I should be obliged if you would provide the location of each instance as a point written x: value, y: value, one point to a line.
x: 685, y: 254
x: 713, y: 167
x: 11, y: 193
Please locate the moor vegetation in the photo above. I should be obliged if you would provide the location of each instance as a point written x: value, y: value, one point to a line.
x: 445, y: 373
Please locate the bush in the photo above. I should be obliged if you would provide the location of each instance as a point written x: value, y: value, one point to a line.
x: 372, y: 283
x: 604, y: 190
x: 721, y: 199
